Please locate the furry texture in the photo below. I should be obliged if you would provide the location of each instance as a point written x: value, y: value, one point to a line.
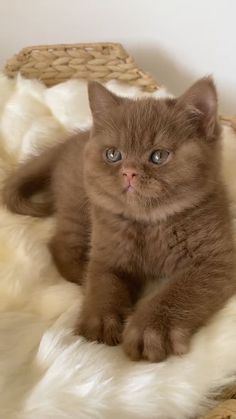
x: 168, y: 220
x: 45, y: 371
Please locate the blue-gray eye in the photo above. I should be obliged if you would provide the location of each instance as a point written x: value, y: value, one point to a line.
x: 159, y: 156
x: 113, y: 155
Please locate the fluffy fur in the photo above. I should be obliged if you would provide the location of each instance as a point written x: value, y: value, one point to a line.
x: 169, y: 222
x: 47, y: 372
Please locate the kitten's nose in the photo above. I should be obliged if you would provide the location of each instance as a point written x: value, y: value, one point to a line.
x: 129, y: 174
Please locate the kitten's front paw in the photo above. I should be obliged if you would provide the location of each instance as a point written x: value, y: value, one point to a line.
x: 103, y: 327
x: 151, y: 335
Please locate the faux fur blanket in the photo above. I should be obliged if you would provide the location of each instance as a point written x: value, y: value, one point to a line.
x: 46, y: 371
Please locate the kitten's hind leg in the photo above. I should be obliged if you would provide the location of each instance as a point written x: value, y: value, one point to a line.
x: 70, y: 246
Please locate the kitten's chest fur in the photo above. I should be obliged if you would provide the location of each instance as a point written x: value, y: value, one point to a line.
x: 146, y: 249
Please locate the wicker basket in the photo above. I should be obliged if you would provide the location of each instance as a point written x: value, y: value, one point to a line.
x: 53, y: 64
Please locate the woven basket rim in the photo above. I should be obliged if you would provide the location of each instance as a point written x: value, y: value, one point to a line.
x: 73, y: 45
x: 26, y: 61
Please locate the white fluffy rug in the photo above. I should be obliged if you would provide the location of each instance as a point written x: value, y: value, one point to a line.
x: 45, y: 371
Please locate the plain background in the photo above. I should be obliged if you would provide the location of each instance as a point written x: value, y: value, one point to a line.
x: 176, y: 40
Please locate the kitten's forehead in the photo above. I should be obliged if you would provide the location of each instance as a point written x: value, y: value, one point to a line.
x: 144, y: 123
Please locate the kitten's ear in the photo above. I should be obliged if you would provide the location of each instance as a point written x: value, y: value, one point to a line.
x: 101, y: 100
x: 201, y: 98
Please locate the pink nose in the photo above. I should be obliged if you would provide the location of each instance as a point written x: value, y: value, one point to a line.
x: 129, y: 174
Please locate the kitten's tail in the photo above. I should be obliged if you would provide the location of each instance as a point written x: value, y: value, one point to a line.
x: 29, y: 178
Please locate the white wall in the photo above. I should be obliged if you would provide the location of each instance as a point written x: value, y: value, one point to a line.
x: 176, y: 40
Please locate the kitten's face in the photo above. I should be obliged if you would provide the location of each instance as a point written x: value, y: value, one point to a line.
x: 145, y: 159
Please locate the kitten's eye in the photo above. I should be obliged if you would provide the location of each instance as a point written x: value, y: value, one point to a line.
x: 113, y: 155
x: 159, y: 156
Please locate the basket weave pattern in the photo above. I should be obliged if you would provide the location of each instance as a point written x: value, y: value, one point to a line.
x: 53, y: 64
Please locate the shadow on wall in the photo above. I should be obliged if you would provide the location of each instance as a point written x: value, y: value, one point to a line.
x: 175, y: 77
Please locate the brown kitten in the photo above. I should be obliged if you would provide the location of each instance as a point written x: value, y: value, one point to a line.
x: 140, y: 199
